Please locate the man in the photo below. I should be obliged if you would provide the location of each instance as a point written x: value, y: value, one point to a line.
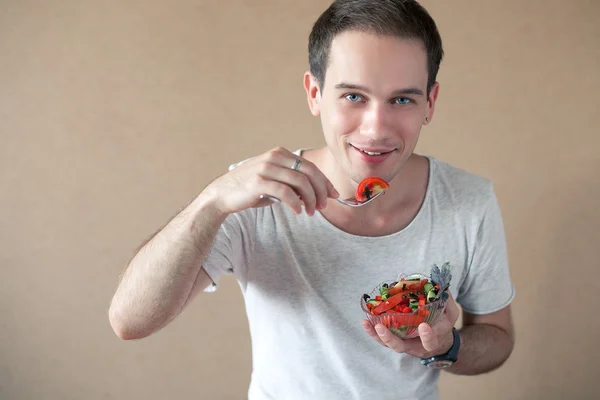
x: 304, y: 262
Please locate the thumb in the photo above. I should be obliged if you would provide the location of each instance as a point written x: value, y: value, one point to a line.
x: 429, y: 339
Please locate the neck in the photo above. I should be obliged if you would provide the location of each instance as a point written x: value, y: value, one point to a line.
x: 390, y: 212
x: 402, y: 188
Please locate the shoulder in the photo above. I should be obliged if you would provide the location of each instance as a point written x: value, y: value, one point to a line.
x: 460, y: 189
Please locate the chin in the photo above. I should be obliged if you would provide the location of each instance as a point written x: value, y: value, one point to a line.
x: 387, y: 171
x: 358, y: 176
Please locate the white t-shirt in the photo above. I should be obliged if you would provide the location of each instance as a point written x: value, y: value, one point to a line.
x: 302, y: 279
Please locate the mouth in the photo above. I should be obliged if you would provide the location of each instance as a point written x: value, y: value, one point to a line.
x: 373, y: 156
x: 374, y: 152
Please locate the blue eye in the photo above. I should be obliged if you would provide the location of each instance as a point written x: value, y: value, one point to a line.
x: 353, y: 97
x: 402, y: 100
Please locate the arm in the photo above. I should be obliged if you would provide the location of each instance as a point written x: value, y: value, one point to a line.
x: 159, y: 280
x: 166, y: 273
x: 486, y: 342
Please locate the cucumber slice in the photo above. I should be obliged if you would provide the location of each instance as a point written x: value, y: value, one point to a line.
x: 431, y: 295
x: 428, y: 286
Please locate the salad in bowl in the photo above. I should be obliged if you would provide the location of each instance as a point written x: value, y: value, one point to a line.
x: 404, y: 304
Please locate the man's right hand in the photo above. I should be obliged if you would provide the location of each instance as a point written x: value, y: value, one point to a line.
x: 271, y: 174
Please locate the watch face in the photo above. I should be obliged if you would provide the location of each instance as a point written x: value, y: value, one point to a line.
x: 440, y: 364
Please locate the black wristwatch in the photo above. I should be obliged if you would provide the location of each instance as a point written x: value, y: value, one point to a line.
x: 445, y: 360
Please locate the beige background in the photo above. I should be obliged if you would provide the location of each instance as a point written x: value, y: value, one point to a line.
x: 114, y: 114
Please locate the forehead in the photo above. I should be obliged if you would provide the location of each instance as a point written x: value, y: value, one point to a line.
x: 377, y: 61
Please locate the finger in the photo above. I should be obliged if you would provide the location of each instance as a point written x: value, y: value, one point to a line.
x: 323, y: 187
x: 299, y: 182
x: 297, y: 178
x: 304, y: 189
x: 284, y: 193
x: 319, y: 187
x: 302, y: 185
x: 429, y: 338
x: 368, y: 327
x: 452, y: 311
x: 321, y: 184
x: 316, y: 184
x: 390, y: 340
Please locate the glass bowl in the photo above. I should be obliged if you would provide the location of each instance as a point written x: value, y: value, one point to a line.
x: 404, y: 325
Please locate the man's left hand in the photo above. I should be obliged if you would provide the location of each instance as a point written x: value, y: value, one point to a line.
x: 431, y: 340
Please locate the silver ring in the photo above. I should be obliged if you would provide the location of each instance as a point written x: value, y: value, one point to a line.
x: 297, y: 163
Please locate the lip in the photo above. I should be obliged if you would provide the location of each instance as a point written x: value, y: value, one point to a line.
x: 373, y: 149
x: 373, y: 159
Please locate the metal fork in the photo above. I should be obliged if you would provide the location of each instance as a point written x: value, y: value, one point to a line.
x: 351, y: 202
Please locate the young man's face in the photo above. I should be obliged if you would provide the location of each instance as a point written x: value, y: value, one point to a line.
x: 374, y: 100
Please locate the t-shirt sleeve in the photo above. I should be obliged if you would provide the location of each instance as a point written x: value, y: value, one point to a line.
x: 488, y: 287
x: 229, y: 252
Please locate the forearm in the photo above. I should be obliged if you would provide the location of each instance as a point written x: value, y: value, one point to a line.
x: 483, y: 348
x: 159, y: 279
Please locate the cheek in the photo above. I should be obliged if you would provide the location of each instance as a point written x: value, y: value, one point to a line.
x: 343, y: 121
x: 408, y: 123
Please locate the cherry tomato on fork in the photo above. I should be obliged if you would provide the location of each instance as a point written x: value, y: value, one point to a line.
x: 369, y: 187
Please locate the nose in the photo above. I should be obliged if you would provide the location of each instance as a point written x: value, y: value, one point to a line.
x: 376, y: 121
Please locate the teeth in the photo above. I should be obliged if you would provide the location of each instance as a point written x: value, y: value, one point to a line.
x: 371, y: 154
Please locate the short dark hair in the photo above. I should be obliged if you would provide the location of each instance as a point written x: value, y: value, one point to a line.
x: 405, y: 19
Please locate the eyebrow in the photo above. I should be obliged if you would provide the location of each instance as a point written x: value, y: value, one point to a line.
x: 410, y: 90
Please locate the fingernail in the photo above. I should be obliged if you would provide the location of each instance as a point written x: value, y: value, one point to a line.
x: 379, y: 330
x: 336, y: 193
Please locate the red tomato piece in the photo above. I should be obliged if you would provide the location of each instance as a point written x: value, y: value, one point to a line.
x: 408, y: 286
x: 369, y: 187
x: 388, y: 304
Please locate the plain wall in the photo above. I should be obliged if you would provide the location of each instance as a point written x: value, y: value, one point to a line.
x: 115, y: 114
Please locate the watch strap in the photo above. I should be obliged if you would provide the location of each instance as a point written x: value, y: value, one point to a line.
x: 451, y: 355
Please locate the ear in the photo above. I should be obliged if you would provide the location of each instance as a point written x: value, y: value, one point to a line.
x: 433, y: 95
x: 313, y: 93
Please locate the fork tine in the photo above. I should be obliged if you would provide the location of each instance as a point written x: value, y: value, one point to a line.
x: 352, y: 202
